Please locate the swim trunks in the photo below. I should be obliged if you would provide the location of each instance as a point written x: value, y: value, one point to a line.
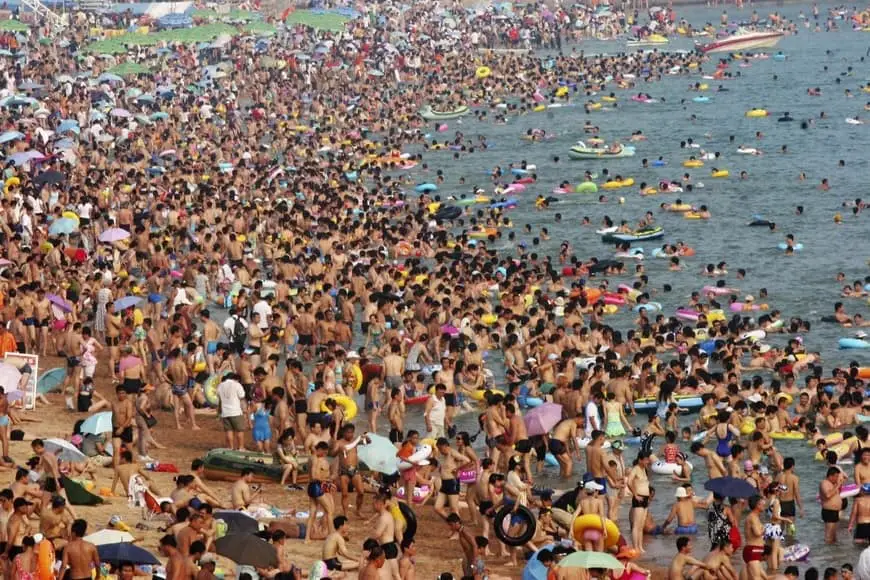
x: 830, y: 516
x: 450, y: 487
x: 753, y: 554
x: 557, y: 447
x: 640, y: 502
x: 687, y: 530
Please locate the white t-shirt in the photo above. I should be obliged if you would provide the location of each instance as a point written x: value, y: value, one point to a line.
x: 265, y: 312
x: 231, y: 394
x: 592, y: 412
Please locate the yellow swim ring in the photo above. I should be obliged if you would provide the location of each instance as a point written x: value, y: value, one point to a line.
x: 693, y: 163
x: 346, y: 403
x: 720, y: 173
x: 593, y: 522
x: 483, y: 72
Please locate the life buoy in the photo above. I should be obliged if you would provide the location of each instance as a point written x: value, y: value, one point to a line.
x: 355, y: 380
x: 507, y: 517
x: 45, y: 560
x: 404, y: 249
x: 348, y: 404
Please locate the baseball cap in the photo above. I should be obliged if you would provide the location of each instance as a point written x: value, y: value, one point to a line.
x: 593, y: 486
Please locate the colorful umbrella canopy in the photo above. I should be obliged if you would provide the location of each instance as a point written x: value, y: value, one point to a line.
x: 64, y: 450
x: 591, y: 560
x: 540, y: 420
x: 63, y: 226
x: 114, y: 235
x: 98, y: 423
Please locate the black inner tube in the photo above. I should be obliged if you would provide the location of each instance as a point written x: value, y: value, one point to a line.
x: 521, y: 516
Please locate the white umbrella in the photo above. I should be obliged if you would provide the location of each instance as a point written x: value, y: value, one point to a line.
x: 64, y: 450
x: 104, y: 537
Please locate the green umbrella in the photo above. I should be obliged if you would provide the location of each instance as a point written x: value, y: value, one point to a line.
x: 590, y: 560
x: 318, y: 20
x: 13, y: 26
x: 205, y: 14
x: 128, y: 69
x: 260, y: 28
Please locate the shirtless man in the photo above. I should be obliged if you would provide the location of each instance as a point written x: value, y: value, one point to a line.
x: 445, y: 377
x: 55, y: 521
x: 335, y: 553
x: 126, y: 469
x: 385, y: 533
x: 562, y: 441
x: 113, y: 336
x: 305, y: 324
x: 714, y: 464
x: 638, y: 485
x: 18, y: 527
x: 80, y: 558
x: 832, y: 503
x: 683, y: 511
x: 753, y: 535
x: 450, y: 463
x: 495, y: 424
x: 176, y: 565
x: 518, y: 434
x: 319, y: 489
x: 348, y: 467
x: 123, y: 414
x: 862, y: 468
x: 466, y: 542
x: 791, y: 496
x: 374, y: 562
x: 719, y: 561
x: 684, y: 558
x: 393, y: 367
x: 190, y: 534
x: 243, y: 494
x: 407, y: 567
x: 597, y: 464
x: 859, y: 519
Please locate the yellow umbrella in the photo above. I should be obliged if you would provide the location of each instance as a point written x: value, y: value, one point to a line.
x: 70, y: 215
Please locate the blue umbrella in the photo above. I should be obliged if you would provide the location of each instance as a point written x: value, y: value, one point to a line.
x: 535, y: 570
x: 25, y: 156
x: 29, y: 86
x: 11, y: 136
x: 65, y: 143
x: 159, y: 116
x: 379, y: 455
x: 126, y: 302
x: 97, y: 424
x: 63, y: 226
x: 97, y: 116
x: 109, y: 78
x: 731, y: 487
x: 126, y: 552
x: 51, y: 380
x: 69, y: 125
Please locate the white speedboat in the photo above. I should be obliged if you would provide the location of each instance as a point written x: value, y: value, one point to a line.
x: 743, y: 40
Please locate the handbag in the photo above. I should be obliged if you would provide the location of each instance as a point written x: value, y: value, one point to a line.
x: 150, y: 420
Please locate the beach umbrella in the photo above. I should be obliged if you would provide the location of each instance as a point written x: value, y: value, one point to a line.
x: 18, y: 101
x: 11, y: 136
x: 96, y: 116
x: 237, y: 522
x: 120, y: 113
x: 730, y: 487
x: 26, y: 157
x: 540, y: 420
x: 160, y: 115
x: 10, y: 376
x: 99, y: 96
x: 247, y: 550
x: 591, y: 560
x: 64, y: 79
x: 128, y: 69
x: 64, y: 145
x: 109, y: 78
x: 146, y: 98
x: 30, y: 86
x: 58, y: 300
x: 68, y: 125
x: 535, y: 569
x: 114, y: 235
x: 64, y: 450
x: 50, y: 177
x: 104, y: 537
x: 126, y: 302
x: 126, y: 552
x: 12, y: 25
x: 98, y: 423
x: 63, y: 227
x: 51, y: 380
x: 379, y: 455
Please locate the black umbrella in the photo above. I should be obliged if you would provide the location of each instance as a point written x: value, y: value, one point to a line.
x: 731, y: 487
x: 238, y: 522
x: 247, y: 550
x: 126, y: 552
x: 50, y: 177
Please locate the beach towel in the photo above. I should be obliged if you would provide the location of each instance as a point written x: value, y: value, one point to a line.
x: 78, y: 495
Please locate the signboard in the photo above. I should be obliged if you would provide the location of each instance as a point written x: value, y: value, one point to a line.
x: 26, y: 362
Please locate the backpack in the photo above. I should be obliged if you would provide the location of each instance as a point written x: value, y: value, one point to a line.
x: 239, y: 330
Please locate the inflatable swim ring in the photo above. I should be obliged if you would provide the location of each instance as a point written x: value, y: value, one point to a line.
x: 593, y: 522
x: 346, y: 403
